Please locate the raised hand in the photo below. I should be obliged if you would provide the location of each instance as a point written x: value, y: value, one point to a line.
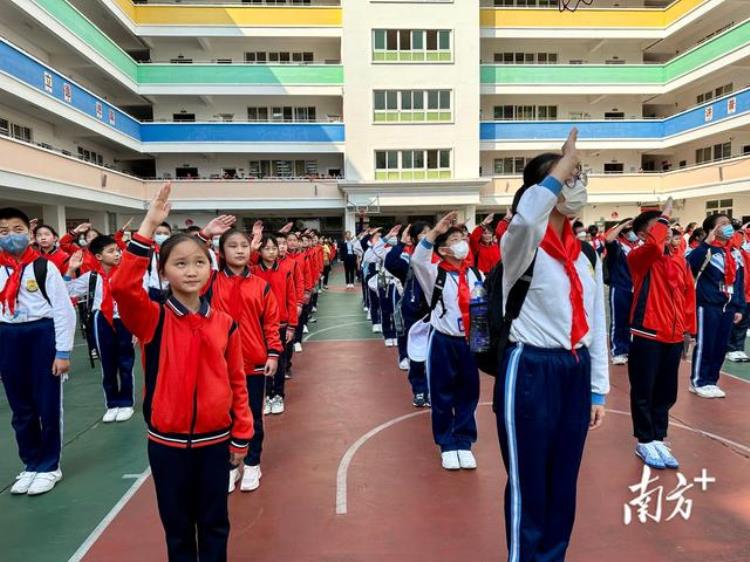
x: 256, y: 240
x: 126, y: 225
x: 33, y: 223
x: 446, y: 222
x: 258, y: 228
x: 393, y: 232
x: 287, y: 228
x: 488, y: 219
x: 219, y: 225
x: 75, y: 261
x: 81, y: 228
x: 158, y: 211
x: 568, y: 164
x: 666, y: 210
x: 405, y: 234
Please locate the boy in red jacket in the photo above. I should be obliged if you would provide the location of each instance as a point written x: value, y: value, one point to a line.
x: 662, y: 317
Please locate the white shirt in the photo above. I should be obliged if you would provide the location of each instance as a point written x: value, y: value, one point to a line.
x: 546, y: 315
x: 448, y: 320
x: 32, y: 306
x: 151, y: 279
x: 79, y: 288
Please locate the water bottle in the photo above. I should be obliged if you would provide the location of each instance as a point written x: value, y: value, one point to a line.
x: 479, y: 317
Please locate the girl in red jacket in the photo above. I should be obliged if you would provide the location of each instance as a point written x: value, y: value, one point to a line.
x: 195, y: 398
x: 250, y: 301
x: 484, y: 247
x: 281, y: 280
x: 46, y: 239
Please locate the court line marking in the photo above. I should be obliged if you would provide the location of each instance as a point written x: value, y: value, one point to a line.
x: 104, y: 523
x: 312, y: 333
x: 343, y: 469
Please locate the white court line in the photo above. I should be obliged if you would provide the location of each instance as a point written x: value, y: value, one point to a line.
x: 104, y: 523
x: 346, y: 460
x: 311, y: 334
x: 723, y: 372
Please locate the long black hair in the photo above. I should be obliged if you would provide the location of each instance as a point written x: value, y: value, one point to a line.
x: 534, y: 172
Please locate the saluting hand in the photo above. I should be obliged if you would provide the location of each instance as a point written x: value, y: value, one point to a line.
x: 219, y: 225
x: 405, y: 234
x: 568, y: 164
x: 157, y: 212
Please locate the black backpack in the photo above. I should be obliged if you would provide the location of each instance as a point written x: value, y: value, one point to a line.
x: 437, y: 292
x: 490, y: 361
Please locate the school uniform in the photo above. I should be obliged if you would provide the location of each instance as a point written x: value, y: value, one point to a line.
x: 288, y: 263
x: 452, y: 374
x: 370, y: 261
x: 195, y: 406
x: 152, y: 281
x: 304, y: 263
x: 57, y: 257
x: 739, y: 330
x: 663, y: 312
x: 414, y: 307
x: 486, y: 255
x: 555, y: 367
x: 281, y: 281
x: 620, y: 296
x: 250, y: 301
x: 114, y: 342
x: 720, y: 293
x: 34, y: 331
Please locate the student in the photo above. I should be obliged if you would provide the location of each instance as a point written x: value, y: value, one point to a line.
x: 281, y: 281
x: 370, y: 262
x: 414, y: 306
x: 346, y: 248
x: 46, y: 239
x: 327, y: 261
x: 452, y: 374
x: 298, y: 252
x: 663, y: 315
x: 619, y: 242
x: 736, y: 349
x: 78, y: 239
x: 388, y: 287
x: 195, y: 395
x: 551, y: 386
x: 286, y: 263
x: 689, y: 229
x: 37, y: 325
x: 152, y: 281
x: 484, y: 246
x: 720, y: 295
x: 250, y: 301
x: 114, y: 343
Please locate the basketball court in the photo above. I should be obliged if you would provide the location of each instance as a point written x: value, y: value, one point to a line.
x: 351, y: 474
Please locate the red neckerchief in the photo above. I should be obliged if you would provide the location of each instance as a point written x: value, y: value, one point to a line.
x: 9, y: 294
x: 730, y: 266
x: 464, y: 294
x: 108, y: 303
x: 566, y: 251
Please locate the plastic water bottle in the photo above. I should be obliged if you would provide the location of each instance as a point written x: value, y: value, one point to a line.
x: 479, y: 309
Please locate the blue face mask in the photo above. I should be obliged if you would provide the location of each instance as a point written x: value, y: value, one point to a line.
x: 631, y: 236
x: 727, y: 231
x: 14, y: 243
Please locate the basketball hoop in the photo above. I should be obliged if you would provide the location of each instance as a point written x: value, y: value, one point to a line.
x: 572, y: 5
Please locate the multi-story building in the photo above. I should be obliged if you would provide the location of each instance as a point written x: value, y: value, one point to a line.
x: 319, y: 109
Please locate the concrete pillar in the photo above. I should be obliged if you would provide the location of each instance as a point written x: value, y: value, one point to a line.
x: 100, y: 221
x: 54, y: 215
x: 350, y: 221
x: 469, y: 216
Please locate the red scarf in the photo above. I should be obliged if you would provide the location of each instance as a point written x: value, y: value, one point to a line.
x: 730, y: 266
x: 566, y: 251
x: 9, y: 294
x: 464, y: 293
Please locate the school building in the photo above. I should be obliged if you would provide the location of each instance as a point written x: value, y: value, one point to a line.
x: 322, y: 109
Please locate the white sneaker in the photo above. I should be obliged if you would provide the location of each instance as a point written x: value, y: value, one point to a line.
x: 110, y: 415
x: 234, y: 476
x: 305, y: 329
x: 314, y: 309
x: 743, y: 356
x: 702, y: 391
x: 717, y: 392
x: 266, y: 406
x: 297, y: 347
x: 44, y: 482
x: 250, y: 478
x: 369, y: 316
x: 364, y: 308
x: 735, y: 356
x: 377, y: 329
x: 23, y: 481
x: 124, y: 414
x: 277, y: 405
x: 466, y: 460
x: 404, y: 365
x: 450, y: 460
x: 620, y: 360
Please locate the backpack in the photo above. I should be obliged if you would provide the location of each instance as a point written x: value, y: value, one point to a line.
x: 490, y: 361
x: 40, y: 274
x: 437, y: 292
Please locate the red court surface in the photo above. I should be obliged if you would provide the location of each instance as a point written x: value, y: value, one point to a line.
x: 401, y: 506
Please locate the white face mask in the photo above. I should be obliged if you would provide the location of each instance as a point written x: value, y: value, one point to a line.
x: 574, y: 199
x: 160, y: 238
x: 460, y: 249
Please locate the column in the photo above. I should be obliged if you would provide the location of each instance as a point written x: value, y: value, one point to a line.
x: 350, y: 221
x: 100, y: 221
x: 469, y: 216
x: 54, y: 216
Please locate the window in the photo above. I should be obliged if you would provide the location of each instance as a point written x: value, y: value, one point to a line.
x: 715, y: 93
x: 304, y: 114
x: 183, y: 117
x: 90, y: 156
x: 181, y: 60
x: 745, y: 149
x: 716, y: 152
x: 507, y: 166
x: 186, y: 172
x: 525, y: 58
x: 282, y: 114
x: 525, y: 112
x: 412, y: 164
x: 412, y: 45
x: 613, y: 168
x: 703, y: 155
x: 408, y: 106
x: 257, y: 114
x: 4, y: 127
x: 723, y: 206
x: 722, y: 151
x: 21, y: 133
x: 614, y: 115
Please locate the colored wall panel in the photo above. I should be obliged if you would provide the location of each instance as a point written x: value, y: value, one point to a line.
x: 283, y: 74
x: 243, y: 132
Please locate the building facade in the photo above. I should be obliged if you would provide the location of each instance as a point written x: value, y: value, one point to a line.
x: 321, y: 109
